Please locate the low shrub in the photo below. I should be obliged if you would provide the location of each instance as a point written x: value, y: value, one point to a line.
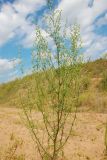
x: 103, y: 83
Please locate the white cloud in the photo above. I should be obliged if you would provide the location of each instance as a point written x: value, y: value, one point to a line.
x: 13, y: 19
x: 25, y: 7
x: 8, y: 69
x: 99, y: 46
x: 7, y: 65
x: 14, y: 23
x: 79, y: 11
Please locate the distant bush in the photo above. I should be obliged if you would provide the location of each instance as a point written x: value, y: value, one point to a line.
x: 103, y: 83
x: 85, y: 83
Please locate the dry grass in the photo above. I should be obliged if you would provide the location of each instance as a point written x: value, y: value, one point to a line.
x: 93, y: 99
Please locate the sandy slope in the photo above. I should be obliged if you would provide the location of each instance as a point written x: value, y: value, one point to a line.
x: 86, y: 142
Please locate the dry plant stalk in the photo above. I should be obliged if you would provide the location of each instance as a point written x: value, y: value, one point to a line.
x: 11, y: 152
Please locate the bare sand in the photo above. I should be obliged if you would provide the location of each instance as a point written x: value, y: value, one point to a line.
x: 85, y: 143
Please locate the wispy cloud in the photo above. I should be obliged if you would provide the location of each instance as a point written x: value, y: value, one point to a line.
x: 85, y: 13
x: 7, y: 65
x: 13, y: 19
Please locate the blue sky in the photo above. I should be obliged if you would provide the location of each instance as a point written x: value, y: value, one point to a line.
x: 17, y: 29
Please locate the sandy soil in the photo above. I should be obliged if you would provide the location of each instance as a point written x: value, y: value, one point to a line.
x: 86, y: 142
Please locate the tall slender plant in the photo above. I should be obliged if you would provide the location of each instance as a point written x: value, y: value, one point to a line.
x: 56, y: 76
